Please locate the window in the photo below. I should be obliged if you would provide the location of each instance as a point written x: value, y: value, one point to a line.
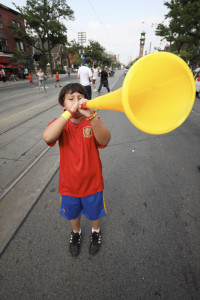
x: 3, y: 45
x: 1, y: 25
x: 20, y: 45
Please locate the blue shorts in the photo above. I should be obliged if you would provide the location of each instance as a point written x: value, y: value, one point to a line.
x: 93, y: 206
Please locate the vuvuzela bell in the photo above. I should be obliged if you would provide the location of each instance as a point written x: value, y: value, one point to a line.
x: 157, y: 95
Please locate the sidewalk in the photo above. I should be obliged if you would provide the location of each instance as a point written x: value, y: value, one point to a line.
x: 25, y: 81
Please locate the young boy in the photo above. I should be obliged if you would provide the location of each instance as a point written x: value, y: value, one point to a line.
x: 80, y: 133
x: 30, y: 79
x: 57, y: 80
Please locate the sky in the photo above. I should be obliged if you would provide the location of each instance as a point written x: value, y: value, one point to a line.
x: 116, y: 25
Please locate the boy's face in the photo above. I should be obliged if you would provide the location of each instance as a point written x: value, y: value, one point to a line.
x: 72, y: 102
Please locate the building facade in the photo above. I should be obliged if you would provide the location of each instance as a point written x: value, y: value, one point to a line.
x: 9, y: 42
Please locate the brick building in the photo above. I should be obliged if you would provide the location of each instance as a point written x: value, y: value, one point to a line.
x: 8, y: 41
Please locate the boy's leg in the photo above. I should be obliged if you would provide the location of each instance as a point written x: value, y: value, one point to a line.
x: 96, y: 224
x: 76, y: 235
x: 95, y: 242
x: 76, y: 224
x: 94, y: 209
x: 71, y: 208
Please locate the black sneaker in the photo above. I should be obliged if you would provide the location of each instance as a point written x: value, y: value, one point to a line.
x: 75, y: 242
x: 95, y: 243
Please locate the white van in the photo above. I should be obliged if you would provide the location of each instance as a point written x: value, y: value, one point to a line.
x: 197, y: 83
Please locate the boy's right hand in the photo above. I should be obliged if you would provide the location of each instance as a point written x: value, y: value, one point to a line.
x: 86, y: 112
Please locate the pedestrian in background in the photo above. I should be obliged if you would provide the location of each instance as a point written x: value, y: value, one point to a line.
x: 104, y: 79
x: 68, y: 71
x: 85, y: 76
x: 41, y: 80
x: 80, y: 134
x: 57, y: 80
x: 3, y: 76
x: 94, y: 77
x: 30, y: 78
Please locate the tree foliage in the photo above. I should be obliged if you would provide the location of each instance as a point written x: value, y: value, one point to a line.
x: 94, y: 50
x: 183, y: 29
x: 44, y: 26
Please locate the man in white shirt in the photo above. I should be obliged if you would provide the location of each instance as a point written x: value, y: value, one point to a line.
x: 85, y: 76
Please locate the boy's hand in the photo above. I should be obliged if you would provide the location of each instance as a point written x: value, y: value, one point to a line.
x: 75, y: 107
x: 85, y: 112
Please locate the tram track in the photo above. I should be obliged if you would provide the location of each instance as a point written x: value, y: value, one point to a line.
x: 13, y: 180
x: 26, y: 120
x: 23, y: 172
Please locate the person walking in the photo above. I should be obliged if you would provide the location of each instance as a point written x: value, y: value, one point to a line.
x: 94, y: 77
x: 80, y: 134
x: 57, y: 80
x: 104, y: 79
x: 68, y: 71
x: 41, y: 80
x: 3, y: 76
x: 30, y: 78
x: 85, y: 76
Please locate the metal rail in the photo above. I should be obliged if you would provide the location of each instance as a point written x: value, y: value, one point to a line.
x: 23, y: 173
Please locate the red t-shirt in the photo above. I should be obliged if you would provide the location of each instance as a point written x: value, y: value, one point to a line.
x: 80, y: 164
x: 30, y: 77
x: 57, y: 76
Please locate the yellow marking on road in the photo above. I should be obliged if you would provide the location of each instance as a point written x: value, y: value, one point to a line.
x: 22, y: 111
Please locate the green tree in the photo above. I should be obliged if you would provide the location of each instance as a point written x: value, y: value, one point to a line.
x: 95, y: 51
x: 74, y: 47
x: 44, y: 27
x: 18, y: 58
x: 77, y: 60
x: 183, y: 29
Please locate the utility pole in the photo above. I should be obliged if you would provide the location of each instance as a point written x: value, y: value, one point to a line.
x: 81, y: 38
x: 81, y: 41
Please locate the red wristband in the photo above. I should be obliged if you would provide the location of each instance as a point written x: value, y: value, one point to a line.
x: 91, y: 117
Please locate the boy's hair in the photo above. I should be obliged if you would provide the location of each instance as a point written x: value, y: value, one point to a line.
x: 71, y: 88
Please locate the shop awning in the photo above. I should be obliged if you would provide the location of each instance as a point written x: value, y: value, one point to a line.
x: 19, y: 67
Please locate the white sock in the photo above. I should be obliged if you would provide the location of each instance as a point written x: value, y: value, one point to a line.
x: 96, y: 230
x: 77, y: 232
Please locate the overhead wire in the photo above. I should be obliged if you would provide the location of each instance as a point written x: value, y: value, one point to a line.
x: 101, y: 23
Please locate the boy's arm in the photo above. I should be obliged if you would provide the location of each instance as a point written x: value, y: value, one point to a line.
x: 53, y: 130
x: 101, y: 133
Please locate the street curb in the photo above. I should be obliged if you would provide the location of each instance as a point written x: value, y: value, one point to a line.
x: 25, y: 199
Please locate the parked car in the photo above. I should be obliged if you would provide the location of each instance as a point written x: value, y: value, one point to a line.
x: 126, y: 71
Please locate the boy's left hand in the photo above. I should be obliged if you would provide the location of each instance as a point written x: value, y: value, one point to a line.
x: 85, y: 112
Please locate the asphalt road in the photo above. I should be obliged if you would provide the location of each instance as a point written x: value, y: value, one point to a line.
x: 150, y: 236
